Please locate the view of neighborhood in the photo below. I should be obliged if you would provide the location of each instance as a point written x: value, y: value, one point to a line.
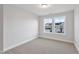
x: 58, y: 24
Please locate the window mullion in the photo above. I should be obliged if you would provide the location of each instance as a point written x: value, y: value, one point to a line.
x: 52, y: 25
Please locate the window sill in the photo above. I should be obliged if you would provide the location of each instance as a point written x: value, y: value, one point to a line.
x: 54, y: 33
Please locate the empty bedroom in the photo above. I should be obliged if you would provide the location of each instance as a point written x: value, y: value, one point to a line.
x: 39, y: 28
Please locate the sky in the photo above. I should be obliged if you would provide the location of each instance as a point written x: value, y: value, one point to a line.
x: 56, y: 19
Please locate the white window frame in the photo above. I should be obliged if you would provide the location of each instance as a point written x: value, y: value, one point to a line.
x: 53, y: 26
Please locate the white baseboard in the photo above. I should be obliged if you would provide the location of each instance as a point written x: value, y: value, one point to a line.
x: 18, y: 44
x: 58, y: 39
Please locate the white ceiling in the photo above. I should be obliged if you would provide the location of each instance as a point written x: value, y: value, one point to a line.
x: 54, y: 8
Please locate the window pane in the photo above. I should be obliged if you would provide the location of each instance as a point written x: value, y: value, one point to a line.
x: 59, y: 24
x: 47, y: 25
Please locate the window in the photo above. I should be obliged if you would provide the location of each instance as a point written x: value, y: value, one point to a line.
x: 48, y: 25
x: 59, y: 24
x: 54, y: 24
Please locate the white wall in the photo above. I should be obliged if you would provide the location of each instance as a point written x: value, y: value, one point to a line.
x: 76, y: 24
x: 1, y: 28
x: 19, y: 26
x: 69, y: 28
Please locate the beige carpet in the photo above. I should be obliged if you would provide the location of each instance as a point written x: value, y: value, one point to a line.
x: 44, y: 46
